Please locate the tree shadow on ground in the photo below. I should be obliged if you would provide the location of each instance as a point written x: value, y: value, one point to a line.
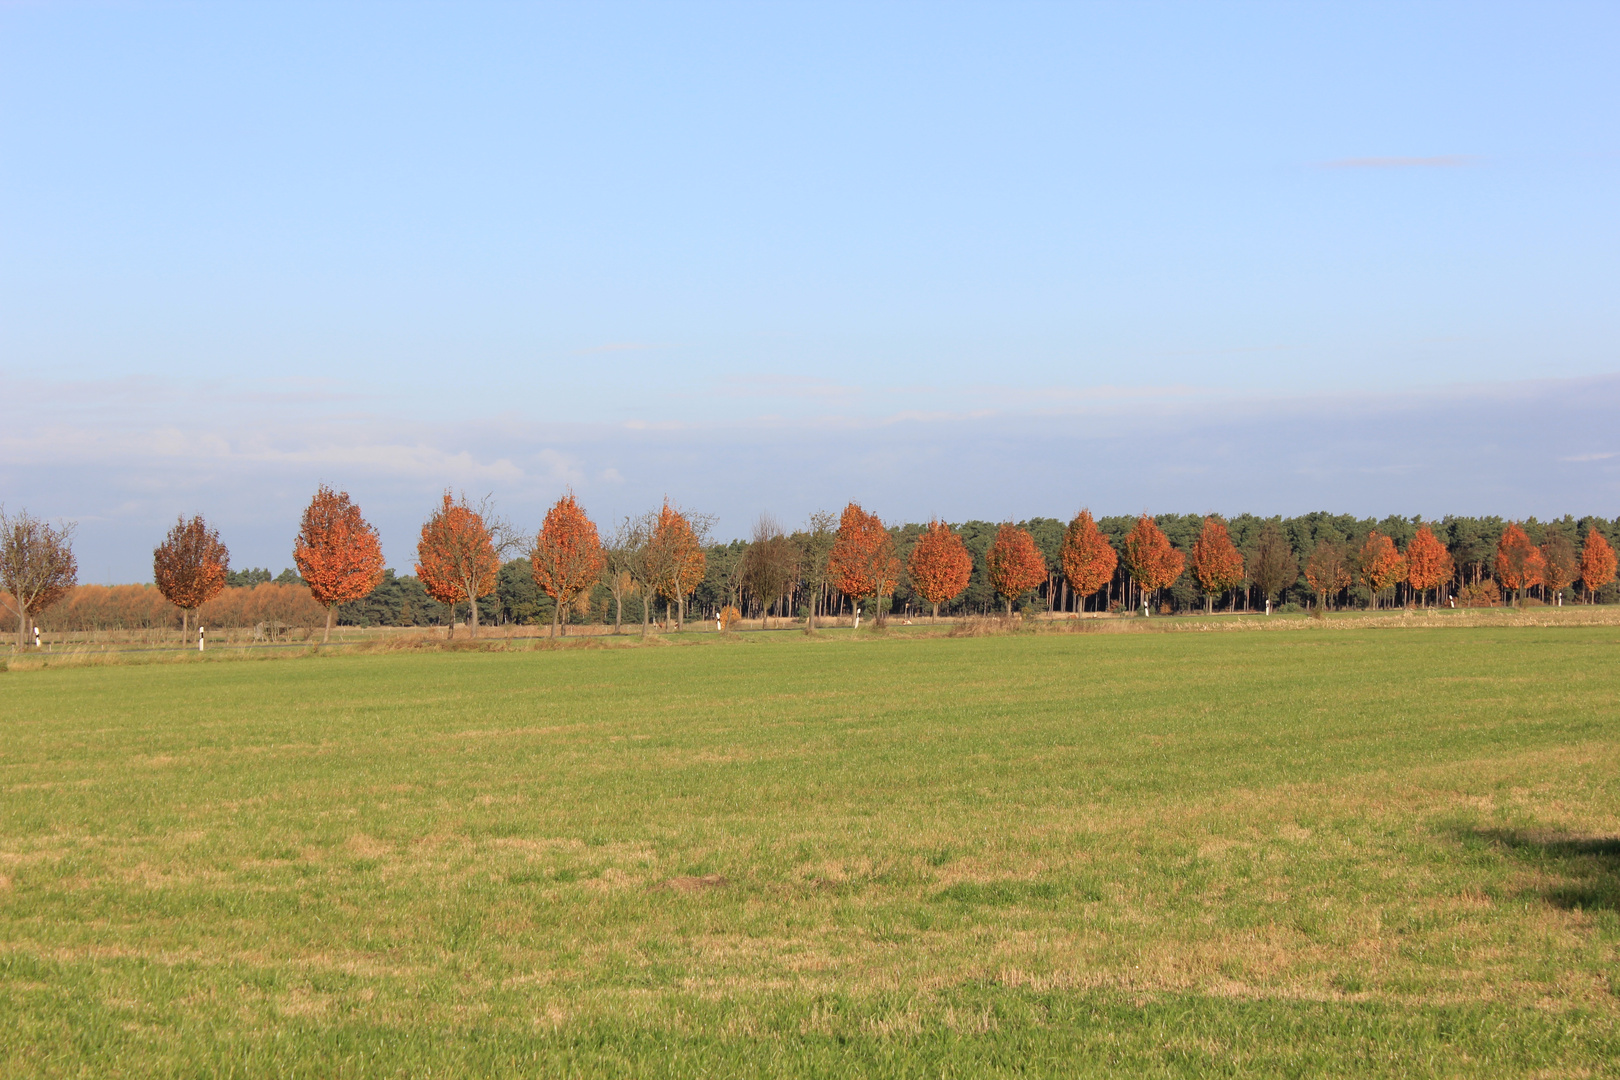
x: 1584, y: 870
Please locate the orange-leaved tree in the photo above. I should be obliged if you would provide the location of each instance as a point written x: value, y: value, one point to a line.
x: 1518, y: 562
x: 190, y: 566
x: 1217, y: 562
x: 1428, y: 563
x: 863, y: 562
x: 1014, y: 564
x: 1327, y: 568
x: 337, y: 552
x: 456, y: 558
x: 1152, y: 560
x: 1088, y: 558
x: 674, y: 560
x: 1381, y: 564
x: 1561, y: 564
x: 940, y: 565
x: 1597, y: 563
x: 567, y: 558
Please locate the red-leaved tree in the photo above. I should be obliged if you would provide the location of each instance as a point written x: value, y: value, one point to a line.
x: 863, y: 563
x: 1381, y: 564
x: 337, y: 552
x: 940, y: 565
x: 1152, y: 560
x: 567, y: 557
x: 1217, y: 563
x: 1519, y: 564
x: 674, y: 561
x: 1014, y: 564
x: 1428, y: 563
x: 190, y: 566
x: 1089, y: 560
x: 456, y: 558
x: 1597, y: 563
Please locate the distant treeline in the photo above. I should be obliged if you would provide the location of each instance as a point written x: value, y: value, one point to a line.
x: 254, y: 596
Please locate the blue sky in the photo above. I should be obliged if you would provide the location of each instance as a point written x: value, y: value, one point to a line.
x: 972, y: 260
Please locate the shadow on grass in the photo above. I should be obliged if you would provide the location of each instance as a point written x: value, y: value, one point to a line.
x: 1588, y: 866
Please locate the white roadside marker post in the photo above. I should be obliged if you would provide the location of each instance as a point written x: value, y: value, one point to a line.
x: 199, y: 639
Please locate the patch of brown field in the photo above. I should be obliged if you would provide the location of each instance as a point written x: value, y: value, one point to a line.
x: 51, y: 785
x: 553, y: 1018
x: 980, y: 872
x: 502, y: 733
x: 517, y: 799
x: 148, y: 876
x: 694, y: 884
x: 28, y: 858
x: 610, y: 880
x: 303, y: 1002
x: 538, y: 844
x: 367, y: 847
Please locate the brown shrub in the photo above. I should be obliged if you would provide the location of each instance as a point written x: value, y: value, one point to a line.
x: 1484, y: 594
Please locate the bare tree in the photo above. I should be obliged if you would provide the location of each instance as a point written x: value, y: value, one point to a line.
x: 36, y: 566
x: 636, y: 533
x: 770, y: 566
x: 1328, y: 570
x: 729, y: 563
x: 1272, y: 566
x: 815, y: 549
x: 622, y: 570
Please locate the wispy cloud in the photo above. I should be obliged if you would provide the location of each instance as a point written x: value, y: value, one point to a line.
x: 1438, y: 161
x: 124, y: 471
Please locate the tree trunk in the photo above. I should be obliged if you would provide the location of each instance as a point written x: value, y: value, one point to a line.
x: 1009, y: 607
x: 618, y: 610
x: 936, y: 614
x: 646, y: 614
x: 185, y: 623
x: 328, y: 635
x: 472, y: 614
x: 1209, y: 603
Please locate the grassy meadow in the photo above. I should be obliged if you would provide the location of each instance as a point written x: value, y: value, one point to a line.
x: 1376, y: 851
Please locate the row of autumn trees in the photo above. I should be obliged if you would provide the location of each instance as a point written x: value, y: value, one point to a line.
x: 839, y: 563
x: 339, y: 556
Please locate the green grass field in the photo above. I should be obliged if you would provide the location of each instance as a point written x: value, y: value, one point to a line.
x: 1381, y: 852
